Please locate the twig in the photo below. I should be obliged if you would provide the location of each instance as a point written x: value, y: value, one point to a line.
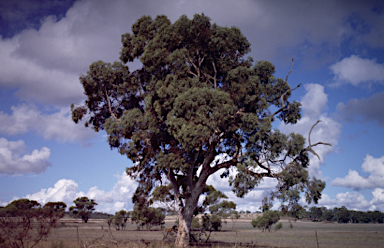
x: 286, y: 78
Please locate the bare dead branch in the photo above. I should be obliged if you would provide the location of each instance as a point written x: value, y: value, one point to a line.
x: 193, y: 74
x: 286, y: 78
x: 109, y: 106
x: 310, y: 131
x: 196, y: 68
x: 309, y: 148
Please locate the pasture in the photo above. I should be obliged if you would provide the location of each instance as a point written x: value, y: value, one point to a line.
x: 73, y: 233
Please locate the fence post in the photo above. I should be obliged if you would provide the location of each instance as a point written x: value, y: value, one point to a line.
x: 317, y: 240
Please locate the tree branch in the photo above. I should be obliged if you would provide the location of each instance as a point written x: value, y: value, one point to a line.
x: 309, y: 148
x: 172, y: 178
x: 227, y: 164
x: 190, y: 72
x: 286, y: 78
x: 282, y: 98
x: 196, y: 68
x: 214, y: 78
x: 109, y: 106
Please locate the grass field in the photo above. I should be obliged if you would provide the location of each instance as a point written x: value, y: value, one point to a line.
x: 303, y: 234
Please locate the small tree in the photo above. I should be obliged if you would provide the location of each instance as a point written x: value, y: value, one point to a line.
x: 195, y: 223
x: 267, y: 204
x: 235, y: 216
x: 143, y: 214
x: 315, y: 213
x: 265, y: 221
x: 83, y: 208
x: 341, y: 215
x: 223, y: 209
x: 211, y: 222
x: 24, y: 223
x: 119, y: 220
x: 147, y: 217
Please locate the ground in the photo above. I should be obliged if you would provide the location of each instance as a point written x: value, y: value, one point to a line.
x: 73, y: 233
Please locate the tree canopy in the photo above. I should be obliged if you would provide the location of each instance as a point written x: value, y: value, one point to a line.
x: 265, y: 221
x: 83, y: 207
x: 197, y: 98
x: 24, y: 222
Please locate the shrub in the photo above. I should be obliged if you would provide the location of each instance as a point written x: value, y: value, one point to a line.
x: 266, y: 221
x: 24, y: 223
x: 278, y: 226
x: 211, y: 222
x: 195, y: 223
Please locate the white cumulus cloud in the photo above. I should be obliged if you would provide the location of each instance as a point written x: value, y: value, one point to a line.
x: 66, y: 190
x: 371, y: 165
x: 314, y: 103
x: 356, y: 71
x: 351, y: 200
x: 13, y: 159
x: 378, y: 199
x: 58, y: 125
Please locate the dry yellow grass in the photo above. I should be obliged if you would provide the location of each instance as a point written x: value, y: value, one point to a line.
x: 96, y: 234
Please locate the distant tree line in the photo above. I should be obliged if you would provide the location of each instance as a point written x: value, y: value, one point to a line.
x: 342, y: 215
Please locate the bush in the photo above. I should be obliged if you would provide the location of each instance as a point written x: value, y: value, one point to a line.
x: 24, y: 223
x: 278, y: 226
x: 195, y: 223
x: 215, y: 222
x: 148, y: 217
x: 266, y: 221
x: 211, y: 222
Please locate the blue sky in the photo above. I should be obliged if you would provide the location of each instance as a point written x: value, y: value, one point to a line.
x: 337, y: 46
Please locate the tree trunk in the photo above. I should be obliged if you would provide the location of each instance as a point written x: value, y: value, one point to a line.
x: 185, y: 218
x: 188, y: 206
x: 184, y: 232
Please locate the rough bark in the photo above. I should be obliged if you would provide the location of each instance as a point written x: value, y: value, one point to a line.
x: 184, y: 232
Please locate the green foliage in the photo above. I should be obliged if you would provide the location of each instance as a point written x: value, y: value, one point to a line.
x: 211, y: 222
x: 223, y: 209
x: 196, y: 97
x: 212, y: 198
x: 265, y: 221
x: 54, y: 210
x: 278, y: 226
x: 99, y: 215
x: 147, y: 217
x: 316, y: 213
x: 21, y: 207
x: 343, y: 215
x: 24, y: 223
x: 267, y: 204
x: 119, y: 220
x: 83, y: 208
x: 195, y: 222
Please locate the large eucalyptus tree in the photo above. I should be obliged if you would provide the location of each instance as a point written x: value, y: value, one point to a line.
x: 197, y: 97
